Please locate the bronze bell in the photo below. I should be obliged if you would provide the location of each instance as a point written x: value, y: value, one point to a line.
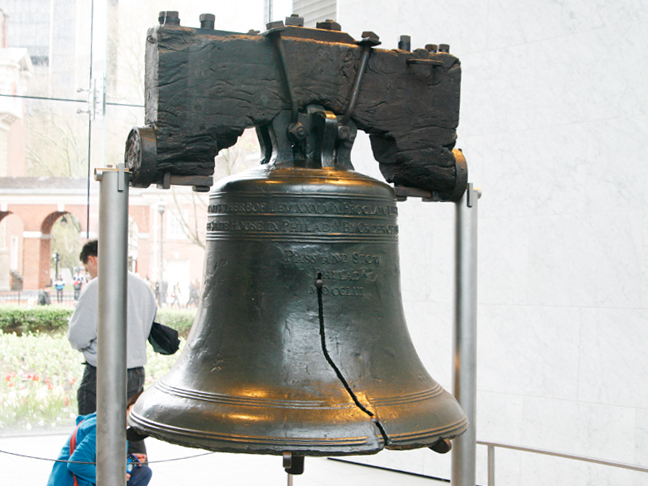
x: 300, y: 343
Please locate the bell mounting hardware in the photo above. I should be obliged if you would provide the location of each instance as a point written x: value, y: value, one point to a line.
x: 306, y: 91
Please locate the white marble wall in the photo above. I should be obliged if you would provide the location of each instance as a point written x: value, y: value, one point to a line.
x: 554, y: 125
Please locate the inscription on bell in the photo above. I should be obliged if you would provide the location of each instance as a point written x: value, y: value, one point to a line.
x: 339, y: 291
x: 302, y: 226
x: 333, y: 208
x: 291, y: 256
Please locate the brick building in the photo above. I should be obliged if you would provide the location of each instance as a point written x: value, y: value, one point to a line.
x: 30, y: 206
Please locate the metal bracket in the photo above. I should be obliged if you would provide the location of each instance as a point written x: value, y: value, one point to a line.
x: 472, y: 195
x: 369, y: 40
x: 327, y: 134
x: 121, y: 178
x: 293, y: 463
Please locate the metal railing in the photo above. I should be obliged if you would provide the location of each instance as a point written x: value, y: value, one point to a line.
x: 31, y: 297
x: 491, y: 458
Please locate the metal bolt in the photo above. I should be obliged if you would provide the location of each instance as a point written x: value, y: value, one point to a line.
x: 297, y: 132
x: 274, y: 25
x: 170, y: 17
x: 444, y: 47
x: 329, y: 24
x: 207, y: 21
x: 405, y: 43
x: 344, y: 132
x: 370, y: 35
x: 295, y: 20
x: 431, y: 47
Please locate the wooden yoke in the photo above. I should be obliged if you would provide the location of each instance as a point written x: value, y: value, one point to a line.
x: 204, y: 87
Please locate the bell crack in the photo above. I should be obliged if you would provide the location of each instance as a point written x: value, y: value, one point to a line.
x: 320, y: 304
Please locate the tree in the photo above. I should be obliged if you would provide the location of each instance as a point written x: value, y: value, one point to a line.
x: 66, y: 241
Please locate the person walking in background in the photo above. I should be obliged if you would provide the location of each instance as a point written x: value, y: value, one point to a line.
x: 82, y: 332
x: 78, y: 282
x: 175, y: 294
x: 59, y: 285
x: 193, y: 293
x: 43, y: 297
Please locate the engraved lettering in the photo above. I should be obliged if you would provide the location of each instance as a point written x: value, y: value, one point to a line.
x: 291, y: 256
x: 335, y: 258
x: 218, y: 226
x: 360, y: 258
x: 320, y: 208
x: 342, y: 275
x: 339, y: 291
x: 237, y: 207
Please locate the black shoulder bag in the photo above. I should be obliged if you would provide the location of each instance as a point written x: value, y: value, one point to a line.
x: 163, y: 339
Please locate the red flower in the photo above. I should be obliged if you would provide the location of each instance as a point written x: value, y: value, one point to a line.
x: 66, y: 402
x: 8, y: 377
x: 11, y: 384
x: 49, y: 386
x: 35, y: 377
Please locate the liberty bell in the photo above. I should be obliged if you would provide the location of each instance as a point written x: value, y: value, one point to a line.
x: 300, y: 343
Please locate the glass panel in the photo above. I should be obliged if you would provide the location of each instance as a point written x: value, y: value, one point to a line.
x: 60, y: 67
x: 57, y: 35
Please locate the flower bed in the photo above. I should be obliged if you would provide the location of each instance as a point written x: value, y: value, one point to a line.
x: 40, y: 374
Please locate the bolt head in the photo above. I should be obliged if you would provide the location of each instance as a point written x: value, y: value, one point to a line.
x: 370, y: 39
x: 297, y: 131
x: 169, y: 17
x: 295, y: 20
x: 274, y: 25
x: 329, y: 25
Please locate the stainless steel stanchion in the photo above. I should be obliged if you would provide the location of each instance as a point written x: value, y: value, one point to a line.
x: 465, y: 336
x: 111, y: 326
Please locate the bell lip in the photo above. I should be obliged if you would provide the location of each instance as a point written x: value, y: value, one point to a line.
x: 363, y: 437
x: 309, y: 447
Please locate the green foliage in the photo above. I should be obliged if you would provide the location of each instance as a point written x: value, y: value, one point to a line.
x: 40, y: 372
x: 46, y: 318
x: 179, y: 319
x: 66, y: 241
x: 52, y: 319
x: 39, y: 376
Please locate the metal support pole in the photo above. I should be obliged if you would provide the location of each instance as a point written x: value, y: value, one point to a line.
x: 161, y: 208
x: 465, y: 336
x: 111, y: 326
x: 491, y: 465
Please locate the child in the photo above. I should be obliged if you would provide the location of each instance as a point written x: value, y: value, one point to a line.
x: 81, y: 462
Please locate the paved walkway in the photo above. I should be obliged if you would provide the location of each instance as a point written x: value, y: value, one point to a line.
x: 204, y: 469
